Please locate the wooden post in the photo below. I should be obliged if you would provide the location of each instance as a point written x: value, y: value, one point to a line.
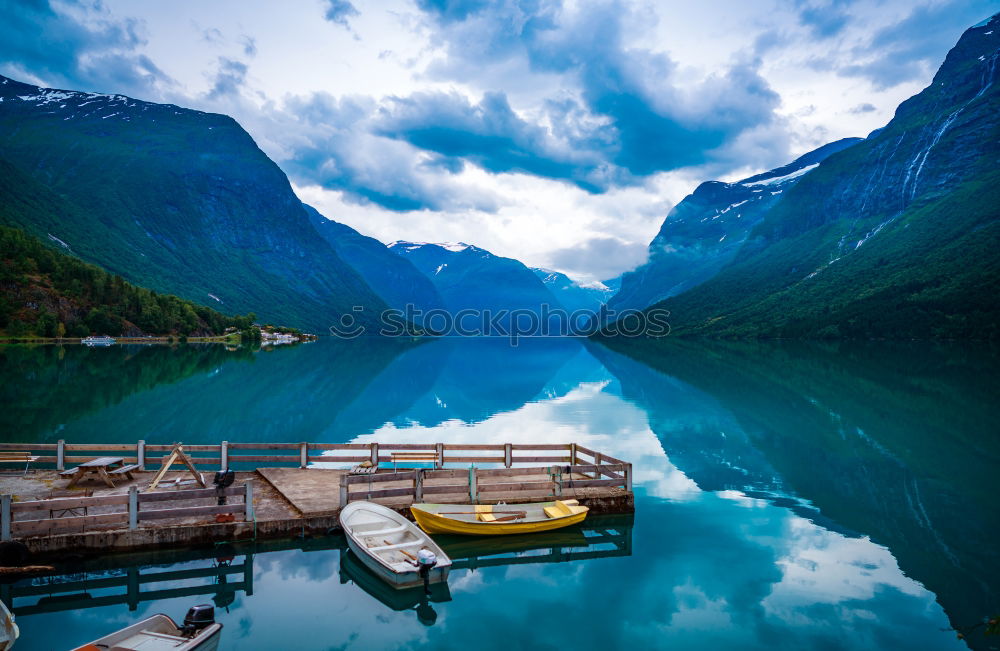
x: 556, y: 473
x: 572, y: 454
x: 439, y: 447
x: 248, y: 514
x: 248, y: 575
x: 133, y: 508
x: 224, y: 455
x: 507, y: 454
x: 132, y: 590
x: 303, y: 455
x: 343, y: 491
x: 628, y: 477
x: 473, y: 486
x: 374, y: 447
x: 418, y: 485
x: 61, y: 455
x: 5, y: 517
x: 140, y: 455
x: 597, y: 462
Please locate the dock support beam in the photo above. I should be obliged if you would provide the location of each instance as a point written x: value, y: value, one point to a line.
x: 473, y: 486
x: 572, y: 454
x: 343, y: 491
x: 439, y: 447
x: 224, y: 455
x: 5, y: 517
x: 248, y: 514
x: 374, y: 447
x: 140, y: 455
x: 628, y: 477
x: 418, y: 485
x: 556, y: 474
x: 61, y: 455
x: 507, y: 454
x: 303, y: 455
x: 598, y: 457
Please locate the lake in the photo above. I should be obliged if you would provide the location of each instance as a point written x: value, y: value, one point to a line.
x: 788, y: 496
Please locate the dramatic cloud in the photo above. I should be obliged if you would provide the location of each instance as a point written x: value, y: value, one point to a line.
x: 75, y: 46
x: 229, y: 78
x: 338, y: 11
x: 603, y: 257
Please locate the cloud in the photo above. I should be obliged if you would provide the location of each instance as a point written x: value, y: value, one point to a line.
x: 909, y: 48
x: 229, y: 79
x: 339, y: 11
x: 249, y: 45
x: 76, y: 46
x: 824, y: 20
x: 602, y: 257
x: 865, y: 107
x: 635, y: 112
x: 332, y: 143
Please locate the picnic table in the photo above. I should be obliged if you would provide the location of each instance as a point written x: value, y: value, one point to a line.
x: 103, y: 467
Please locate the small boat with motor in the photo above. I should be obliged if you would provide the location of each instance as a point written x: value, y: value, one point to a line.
x: 98, y: 341
x: 393, y: 547
x: 160, y: 633
x: 8, y: 629
x: 501, y: 519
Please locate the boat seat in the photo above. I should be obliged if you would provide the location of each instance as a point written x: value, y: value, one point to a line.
x: 484, y: 513
x: 382, y: 532
x: 385, y: 548
x: 561, y: 509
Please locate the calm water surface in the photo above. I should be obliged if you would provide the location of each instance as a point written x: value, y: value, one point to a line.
x: 787, y: 496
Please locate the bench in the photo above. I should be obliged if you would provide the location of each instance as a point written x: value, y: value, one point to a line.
x: 125, y: 470
x: 18, y: 457
x: 412, y: 457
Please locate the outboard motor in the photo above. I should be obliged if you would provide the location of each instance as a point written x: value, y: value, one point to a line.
x: 197, y: 618
x: 426, y: 560
x: 223, y: 479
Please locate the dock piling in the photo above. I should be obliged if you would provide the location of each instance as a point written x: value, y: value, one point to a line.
x: 248, y: 514
x: 5, y: 517
x: 61, y: 455
x: 133, y: 508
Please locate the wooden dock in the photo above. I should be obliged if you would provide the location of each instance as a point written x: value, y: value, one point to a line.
x: 284, y: 489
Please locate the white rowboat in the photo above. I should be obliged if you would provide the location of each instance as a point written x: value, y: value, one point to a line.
x: 389, y: 545
x: 160, y: 633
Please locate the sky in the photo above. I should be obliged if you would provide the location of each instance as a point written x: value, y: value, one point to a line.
x: 556, y: 132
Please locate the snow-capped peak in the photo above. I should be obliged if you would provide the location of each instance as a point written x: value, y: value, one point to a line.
x: 778, y: 180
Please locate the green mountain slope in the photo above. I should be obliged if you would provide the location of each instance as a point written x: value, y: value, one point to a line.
x: 896, y: 236
x: 176, y: 200
x: 51, y: 294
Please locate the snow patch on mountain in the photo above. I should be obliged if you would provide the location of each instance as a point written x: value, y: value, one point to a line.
x: 778, y: 180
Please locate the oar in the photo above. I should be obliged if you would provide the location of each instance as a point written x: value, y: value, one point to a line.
x: 408, y: 554
x: 521, y: 513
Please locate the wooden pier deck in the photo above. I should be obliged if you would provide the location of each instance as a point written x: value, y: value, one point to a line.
x: 269, y: 499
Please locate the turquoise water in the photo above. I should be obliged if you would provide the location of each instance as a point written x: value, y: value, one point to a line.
x: 787, y: 496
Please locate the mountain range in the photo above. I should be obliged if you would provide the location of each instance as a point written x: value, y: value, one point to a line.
x: 894, y: 236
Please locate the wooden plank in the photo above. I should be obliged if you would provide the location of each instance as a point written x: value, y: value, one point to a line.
x: 473, y: 446
x: 109, y: 447
x: 381, y: 477
x: 461, y: 489
x: 408, y: 446
x: 68, y: 503
x: 339, y: 446
x: 587, y: 451
x: 388, y: 492
x: 589, y: 468
x: 516, y: 486
x: 187, y: 448
x: 247, y: 458
x: 612, y: 459
x: 499, y: 460
x: 82, y: 460
x: 540, y: 459
x: 61, y: 525
x: 190, y: 494
x: 543, y: 446
x: 583, y: 483
x: 29, y: 446
x: 446, y: 474
x: 322, y: 459
x: 198, y: 461
x: 509, y: 472
x: 263, y: 446
x: 190, y: 511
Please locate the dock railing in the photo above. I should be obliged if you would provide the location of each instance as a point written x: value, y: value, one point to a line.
x: 73, y: 514
x: 226, y: 455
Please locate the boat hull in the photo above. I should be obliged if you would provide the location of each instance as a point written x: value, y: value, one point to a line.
x: 398, y: 580
x: 433, y: 523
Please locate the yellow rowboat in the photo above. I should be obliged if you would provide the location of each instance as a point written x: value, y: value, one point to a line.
x: 489, y: 520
